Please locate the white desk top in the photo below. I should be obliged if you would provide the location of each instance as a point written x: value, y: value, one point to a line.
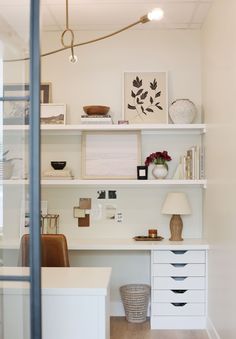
x: 120, y: 244
x: 62, y: 280
x: 131, y: 244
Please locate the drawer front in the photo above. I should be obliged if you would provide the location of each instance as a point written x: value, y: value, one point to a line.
x: 181, y: 283
x: 165, y: 296
x: 181, y: 309
x: 161, y: 270
x: 190, y: 256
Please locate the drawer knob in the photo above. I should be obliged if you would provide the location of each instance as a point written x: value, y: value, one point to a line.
x: 178, y: 304
x: 179, y: 278
x: 179, y: 291
x: 179, y: 252
x: 179, y: 265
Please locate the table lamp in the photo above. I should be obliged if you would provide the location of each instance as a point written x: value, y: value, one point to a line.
x: 176, y: 204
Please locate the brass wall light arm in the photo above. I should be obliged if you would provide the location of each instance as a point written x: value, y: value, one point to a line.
x: 82, y: 43
x: 144, y: 19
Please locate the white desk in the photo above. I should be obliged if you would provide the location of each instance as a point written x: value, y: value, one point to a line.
x: 172, y: 316
x: 118, y: 244
x: 75, y: 303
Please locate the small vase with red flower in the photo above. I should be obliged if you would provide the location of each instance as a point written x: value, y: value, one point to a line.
x: 159, y: 159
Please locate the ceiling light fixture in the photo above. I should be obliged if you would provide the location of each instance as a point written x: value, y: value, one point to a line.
x: 155, y: 14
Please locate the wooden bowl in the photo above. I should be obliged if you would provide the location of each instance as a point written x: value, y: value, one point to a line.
x: 96, y: 110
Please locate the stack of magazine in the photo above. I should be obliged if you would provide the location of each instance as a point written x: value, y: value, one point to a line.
x: 96, y: 119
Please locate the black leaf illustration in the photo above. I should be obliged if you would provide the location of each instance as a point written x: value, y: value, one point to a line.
x: 153, y: 85
x: 151, y: 100
x: 158, y: 94
x: 144, y: 95
x: 139, y: 102
x: 158, y: 106
x: 142, y: 109
x: 131, y: 107
x: 149, y: 110
x: 133, y: 94
x: 139, y: 91
x: 137, y: 82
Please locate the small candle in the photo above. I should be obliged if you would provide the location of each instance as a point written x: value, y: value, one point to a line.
x: 152, y: 233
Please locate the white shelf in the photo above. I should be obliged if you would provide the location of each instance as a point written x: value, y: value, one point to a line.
x: 123, y: 183
x: 145, y: 128
x: 120, y: 183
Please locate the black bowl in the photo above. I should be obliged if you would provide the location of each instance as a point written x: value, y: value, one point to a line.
x: 58, y: 165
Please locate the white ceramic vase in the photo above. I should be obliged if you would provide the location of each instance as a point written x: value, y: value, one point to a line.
x: 182, y: 111
x: 159, y: 171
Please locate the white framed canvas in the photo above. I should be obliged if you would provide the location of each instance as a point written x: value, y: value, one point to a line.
x: 53, y: 114
x: 145, y: 97
x: 110, y: 155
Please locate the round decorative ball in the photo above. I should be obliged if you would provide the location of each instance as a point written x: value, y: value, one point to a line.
x: 182, y: 111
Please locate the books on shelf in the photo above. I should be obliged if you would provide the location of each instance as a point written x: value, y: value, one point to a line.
x: 96, y: 119
x: 57, y: 174
x: 192, y: 164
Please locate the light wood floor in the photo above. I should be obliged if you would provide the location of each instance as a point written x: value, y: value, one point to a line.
x: 121, y: 329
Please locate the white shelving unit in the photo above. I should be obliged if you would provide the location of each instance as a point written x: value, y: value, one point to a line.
x: 73, y: 130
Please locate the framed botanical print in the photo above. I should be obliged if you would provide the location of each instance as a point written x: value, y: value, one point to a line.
x: 145, y: 97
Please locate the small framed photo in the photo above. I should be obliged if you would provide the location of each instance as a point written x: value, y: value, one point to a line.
x: 145, y: 98
x: 53, y: 114
x: 142, y: 172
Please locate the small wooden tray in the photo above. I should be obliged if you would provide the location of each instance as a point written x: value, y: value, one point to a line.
x: 146, y: 238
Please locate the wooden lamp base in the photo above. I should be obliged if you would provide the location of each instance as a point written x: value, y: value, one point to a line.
x: 176, y: 227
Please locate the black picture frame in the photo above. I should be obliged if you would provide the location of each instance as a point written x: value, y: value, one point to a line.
x: 142, y: 172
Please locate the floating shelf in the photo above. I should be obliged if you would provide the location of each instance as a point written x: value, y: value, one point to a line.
x: 144, y: 128
x: 121, y: 183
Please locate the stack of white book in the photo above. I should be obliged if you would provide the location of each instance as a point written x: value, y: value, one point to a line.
x: 96, y: 119
x: 192, y: 164
x: 58, y: 174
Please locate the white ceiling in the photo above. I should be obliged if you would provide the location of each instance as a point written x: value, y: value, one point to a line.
x: 105, y: 14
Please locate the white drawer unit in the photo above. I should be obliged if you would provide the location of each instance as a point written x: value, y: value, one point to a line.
x: 176, y: 270
x: 179, y: 256
x: 180, y: 283
x: 178, y: 298
x: 166, y: 296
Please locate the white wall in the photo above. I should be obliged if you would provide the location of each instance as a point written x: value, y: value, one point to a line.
x: 97, y: 77
x: 219, y: 88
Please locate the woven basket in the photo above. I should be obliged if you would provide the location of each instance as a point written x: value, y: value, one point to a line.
x: 135, y: 299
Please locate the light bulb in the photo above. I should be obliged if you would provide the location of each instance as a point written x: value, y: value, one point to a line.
x: 156, y: 14
x: 73, y: 59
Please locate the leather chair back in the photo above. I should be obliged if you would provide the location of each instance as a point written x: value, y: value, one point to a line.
x: 54, y: 251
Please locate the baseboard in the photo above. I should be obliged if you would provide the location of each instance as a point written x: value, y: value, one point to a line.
x: 211, y: 330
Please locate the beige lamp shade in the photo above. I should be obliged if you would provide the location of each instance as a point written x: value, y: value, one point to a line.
x: 176, y: 203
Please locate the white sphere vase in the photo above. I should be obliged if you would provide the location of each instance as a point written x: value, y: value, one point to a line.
x: 182, y: 111
x: 160, y: 171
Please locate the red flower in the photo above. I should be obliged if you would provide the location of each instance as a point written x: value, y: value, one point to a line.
x: 158, y: 158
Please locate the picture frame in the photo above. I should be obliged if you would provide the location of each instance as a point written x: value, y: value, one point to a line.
x: 110, y: 155
x: 145, y: 97
x: 53, y: 114
x: 16, y: 112
x: 142, y: 172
